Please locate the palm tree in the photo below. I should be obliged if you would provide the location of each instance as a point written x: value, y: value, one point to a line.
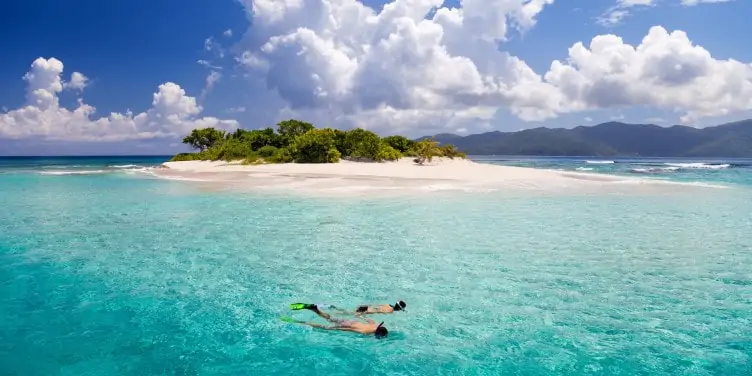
x: 426, y: 150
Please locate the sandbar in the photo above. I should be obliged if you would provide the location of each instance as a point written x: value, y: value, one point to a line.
x: 404, y: 176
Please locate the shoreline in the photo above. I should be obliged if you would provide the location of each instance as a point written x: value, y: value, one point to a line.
x: 404, y: 177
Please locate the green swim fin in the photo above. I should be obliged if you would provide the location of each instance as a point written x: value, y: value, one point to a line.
x: 299, y: 306
x: 288, y: 319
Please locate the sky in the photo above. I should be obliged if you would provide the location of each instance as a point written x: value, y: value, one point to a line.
x: 107, y: 77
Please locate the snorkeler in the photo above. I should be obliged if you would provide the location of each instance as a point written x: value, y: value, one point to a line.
x: 383, y: 308
x: 378, y: 330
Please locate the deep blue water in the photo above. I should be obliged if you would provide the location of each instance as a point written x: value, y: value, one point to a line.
x: 105, y: 270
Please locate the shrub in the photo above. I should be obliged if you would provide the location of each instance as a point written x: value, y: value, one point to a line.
x: 184, y: 157
x: 267, y: 151
x: 361, y: 143
x: 315, y: 146
x: 253, y: 160
x: 451, y: 152
x: 282, y: 155
x: 387, y: 153
x: 234, y: 149
x: 400, y: 143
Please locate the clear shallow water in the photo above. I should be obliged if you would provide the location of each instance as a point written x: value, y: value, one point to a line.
x: 732, y: 172
x: 114, y: 274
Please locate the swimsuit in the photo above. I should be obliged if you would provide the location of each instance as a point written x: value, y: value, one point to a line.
x: 340, y: 323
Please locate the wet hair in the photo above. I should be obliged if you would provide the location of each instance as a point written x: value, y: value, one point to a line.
x: 381, y: 331
x: 399, y: 305
x: 362, y: 308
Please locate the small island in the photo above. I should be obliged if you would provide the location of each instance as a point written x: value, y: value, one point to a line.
x: 299, y: 157
x: 298, y: 141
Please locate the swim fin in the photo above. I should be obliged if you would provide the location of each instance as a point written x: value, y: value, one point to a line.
x: 299, y: 306
x: 288, y: 319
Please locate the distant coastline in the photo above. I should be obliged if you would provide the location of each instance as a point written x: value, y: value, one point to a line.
x: 613, y: 139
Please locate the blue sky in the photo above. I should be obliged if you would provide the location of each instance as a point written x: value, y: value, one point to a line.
x: 126, y: 52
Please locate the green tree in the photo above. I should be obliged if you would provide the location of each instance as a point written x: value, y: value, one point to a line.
x: 451, y: 151
x: 400, y: 143
x: 361, y: 143
x: 259, y: 138
x: 204, y: 138
x: 316, y: 146
x: 339, y: 140
x: 292, y: 129
x: 426, y: 149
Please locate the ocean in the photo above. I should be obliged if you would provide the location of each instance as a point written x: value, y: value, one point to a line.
x: 108, y: 270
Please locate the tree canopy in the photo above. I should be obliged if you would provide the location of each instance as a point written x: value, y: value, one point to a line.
x: 205, y: 138
x: 300, y: 142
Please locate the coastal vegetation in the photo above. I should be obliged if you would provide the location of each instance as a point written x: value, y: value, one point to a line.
x: 300, y: 142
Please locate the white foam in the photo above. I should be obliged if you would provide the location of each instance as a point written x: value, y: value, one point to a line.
x: 584, y: 169
x: 600, y: 162
x: 73, y: 172
x: 182, y: 178
x: 124, y: 166
x: 703, y: 166
x: 137, y: 170
x: 654, y: 170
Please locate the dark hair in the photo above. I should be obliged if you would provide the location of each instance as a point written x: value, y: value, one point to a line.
x: 400, y: 305
x: 381, y: 331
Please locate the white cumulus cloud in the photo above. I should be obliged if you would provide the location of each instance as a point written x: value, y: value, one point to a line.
x: 173, y: 113
x: 666, y: 71
x: 690, y: 3
x: 418, y: 63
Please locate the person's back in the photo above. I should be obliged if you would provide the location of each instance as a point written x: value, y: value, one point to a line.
x: 363, y: 328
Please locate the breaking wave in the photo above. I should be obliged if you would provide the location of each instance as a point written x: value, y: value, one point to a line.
x: 73, y: 172
x: 702, y: 166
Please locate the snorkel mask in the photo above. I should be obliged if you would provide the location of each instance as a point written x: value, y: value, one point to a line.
x: 380, y: 331
x: 399, y: 306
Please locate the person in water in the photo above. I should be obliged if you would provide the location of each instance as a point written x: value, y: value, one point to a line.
x: 378, y: 330
x: 383, y: 308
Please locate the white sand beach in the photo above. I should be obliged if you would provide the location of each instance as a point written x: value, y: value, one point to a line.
x: 403, y: 176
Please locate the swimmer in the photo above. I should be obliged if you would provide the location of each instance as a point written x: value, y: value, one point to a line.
x: 384, y: 308
x: 378, y: 330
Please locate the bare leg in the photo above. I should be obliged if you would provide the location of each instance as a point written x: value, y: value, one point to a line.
x: 322, y: 314
x: 314, y: 325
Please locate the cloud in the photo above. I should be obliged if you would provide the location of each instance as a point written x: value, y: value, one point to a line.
x: 665, y: 71
x: 173, y: 113
x: 616, y: 14
x: 227, y: 33
x: 208, y: 65
x: 621, y: 10
x: 343, y: 62
x: 78, y: 81
x: 211, y: 80
x: 418, y: 64
x: 691, y: 3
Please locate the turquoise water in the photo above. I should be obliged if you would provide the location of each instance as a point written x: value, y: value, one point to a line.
x: 107, y: 271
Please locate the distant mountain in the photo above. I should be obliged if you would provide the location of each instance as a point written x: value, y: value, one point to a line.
x: 733, y: 140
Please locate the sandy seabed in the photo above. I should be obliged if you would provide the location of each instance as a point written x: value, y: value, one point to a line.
x: 404, y: 177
